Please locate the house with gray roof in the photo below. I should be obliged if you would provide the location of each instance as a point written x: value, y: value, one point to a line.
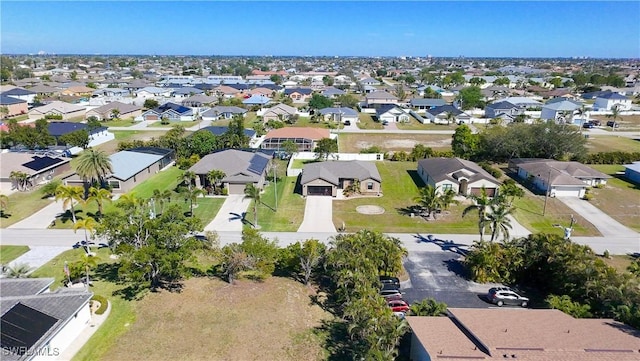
x: 239, y: 166
x: 37, y: 323
x: 14, y: 106
x: 21, y: 93
x: 632, y: 172
x: 257, y: 100
x: 561, y: 110
x: 497, y: 109
x: 340, y: 114
x: 423, y: 104
x: 223, y: 112
x: 557, y: 178
x: 440, y: 115
x: 327, y: 178
x: 462, y: 176
x: 608, y: 101
x: 380, y: 97
x: 109, y: 111
x: 332, y: 92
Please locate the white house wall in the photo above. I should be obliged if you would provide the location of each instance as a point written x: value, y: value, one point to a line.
x: 568, y: 191
x: 68, y: 333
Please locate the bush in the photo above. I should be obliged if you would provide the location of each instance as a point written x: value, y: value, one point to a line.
x: 496, y: 173
x: 372, y: 149
x: 587, y: 196
x: 610, y: 158
x: 566, y: 305
x: 103, y: 304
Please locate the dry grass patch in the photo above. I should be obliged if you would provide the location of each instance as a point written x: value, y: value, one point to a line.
x: 355, y: 142
x: 628, y: 122
x: 212, y: 320
x: 619, y: 262
x: 620, y: 199
x: 612, y: 143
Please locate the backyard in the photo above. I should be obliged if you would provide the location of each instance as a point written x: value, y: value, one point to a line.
x: 355, y: 142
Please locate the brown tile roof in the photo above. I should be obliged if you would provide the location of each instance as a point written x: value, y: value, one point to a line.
x: 442, y: 338
x: 298, y: 132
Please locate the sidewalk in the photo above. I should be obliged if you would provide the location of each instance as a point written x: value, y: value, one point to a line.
x: 229, y: 217
x: 85, y: 335
x: 41, y: 219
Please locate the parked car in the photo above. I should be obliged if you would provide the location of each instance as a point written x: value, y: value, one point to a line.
x: 385, y: 122
x: 347, y: 122
x: 506, y: 296
x: 399, y: 315
x: 588, y: 125
x: 391, y: 294
x: 398, y: 306
x: 390, y: 281
x: 612, y: 124
x: 595, y: 122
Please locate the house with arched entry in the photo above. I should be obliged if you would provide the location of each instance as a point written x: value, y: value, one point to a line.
x: 462, y: 176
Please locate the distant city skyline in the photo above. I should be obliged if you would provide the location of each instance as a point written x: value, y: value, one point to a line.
x: 544, y: 29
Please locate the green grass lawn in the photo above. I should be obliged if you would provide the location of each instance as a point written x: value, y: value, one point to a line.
x: 119, y: 123
x: 22, y: 205
x: 300, y: 163
x: 611, y: 143
x: 185, y: 124
x: 619, y: 199
x: 413, y: 124
x: 306, y: 122
x: 9, y: 253
x: 367, y: 122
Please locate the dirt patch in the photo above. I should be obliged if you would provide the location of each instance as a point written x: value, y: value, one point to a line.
x: 392, y: 142
x: 369, y: 209
x: 212, y: 320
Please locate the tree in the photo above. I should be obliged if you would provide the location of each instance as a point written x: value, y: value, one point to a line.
x: 99, y: 195
x: 20, y: 180
x: 319, y: 101
x: 615, y: 115
x: 347, y: 100
x: 78, y: 138
x: 87, y: 262
x: 150, y: 104
x: 481, y: 205
x: 290, y: 147
x: 69, y: 195
x: 191, y: 195
x: 89, y: 226
x: 162, y: 198
x: 263, y: 252
x: 566, y: 305
x: 499, y: 221
x: 509, y: 190
x: 450, y: 117
x: 19, y: 270
x: 502, y: 81
x: 4, y: 111
x: 428, y: 307
x: 187, y: 178
x: 115, y: 113
x: 202, y: 142
x: 311, y: 254
x: 477, y: 81
x: 233, y: 261
x: 235, y: 136
x: 470, y: 97
x: 325, y: 147
x: 254, y: 193
x: 429, y: 199
x: 399, y: 92
x: 464, y: 143
x: 93, y: 165
x: 215, y: 176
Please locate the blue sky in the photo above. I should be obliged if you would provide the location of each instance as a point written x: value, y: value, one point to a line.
x: 379, y: 28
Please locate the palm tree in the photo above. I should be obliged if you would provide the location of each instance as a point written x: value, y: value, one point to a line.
x: 253, y: 192
x: 191, y: 194
x: 115, y: 113
x: 446, y: 198
x: 615, y: 114
x: 93, y: 165
x: 19, y: 270
x: 69, y: 195
x: 20, y: 179
x: 450, y: 118
x: 480, y: 204
x: 581, y: 112
x: 99, y: 195
x: 187, y: 178
x: 162, y: 198
x: 87, y: 262
x: 429, y: 199
x: 89, y: 225
x: 215, y: 176
x: 499, y: 220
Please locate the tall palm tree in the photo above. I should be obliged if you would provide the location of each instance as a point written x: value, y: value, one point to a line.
x: 20, y: 179
x: 429, y: 199
x: 93, y: 165
x: 89, y: 226
x: 99, y: 195
x: 191, y: 194
x: 214, y: 176
x: 187, y: 178
x: 162, y: 198
x: 253, y: 192
x: 499, y: 221
x: 69, y: 195
x: 481, y: 205
x: 87, y: 261
x: 450, y: 118
x: 615, y: 114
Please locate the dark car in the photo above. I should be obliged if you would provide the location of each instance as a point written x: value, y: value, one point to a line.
x: 506, y: 296
x: 391, y: 294
x: 612, y: 124
x: 588, y: 125
x: 347, y: 122
x: 398, y: 306
x: 390, y: 282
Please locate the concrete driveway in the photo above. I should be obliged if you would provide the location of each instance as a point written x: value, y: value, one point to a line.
x: 318, y: 215
x: 230, y: 217
x: 41, y: 219
x: 439, y: 275
x: 608, y: 226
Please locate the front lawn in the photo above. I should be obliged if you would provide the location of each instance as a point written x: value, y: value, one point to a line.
x: 119, y: 122
x: 9, y: 253
x: 22, y: 205
x: 367, y: 122
x: 620, y: 198
x: 413, y: 124
x: 186, y: 124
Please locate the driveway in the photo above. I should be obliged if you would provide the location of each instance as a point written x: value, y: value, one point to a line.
x: 41, y: 219
x: 318, y: 215
x: 439, y: 275
x: 230, y: 217
x: 608, y: 226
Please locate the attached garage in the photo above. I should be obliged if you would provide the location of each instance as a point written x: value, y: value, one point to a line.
x: 569, y: 191
x: 151, y: 117
x: 319, y: 190
x: 491, y: 192
x: 236, y: 188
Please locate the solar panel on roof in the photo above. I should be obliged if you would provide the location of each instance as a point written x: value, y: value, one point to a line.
x: 257, y: 164
x: 22, y: 327
x: 39, y: 163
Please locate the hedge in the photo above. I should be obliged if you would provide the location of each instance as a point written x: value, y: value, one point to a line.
x: 103, y: 304
x: 610, y: 158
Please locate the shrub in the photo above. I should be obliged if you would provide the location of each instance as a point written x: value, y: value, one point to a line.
x: 566, y: 305
x: 496, y: 173
x: 103, y: 304
x: 372, y: 149
x: 587, y: 196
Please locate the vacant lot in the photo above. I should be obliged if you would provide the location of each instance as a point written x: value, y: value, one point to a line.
x: 628, y: 122
x: 122, y: 135
x: 212, y: 320
x: 620, y: 199
x: 355, y: 142
x: 612, y: 143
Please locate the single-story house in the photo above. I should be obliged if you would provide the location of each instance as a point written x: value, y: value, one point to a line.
x: 559, y: 179
x: 257, y: 100
x: 341, y: 114
x: 170, y: 111
x: 131, y: 167
x: 609, y: 100
x: 153, y: 92
x: 14, y: 106
x: 391, y: 113
x: 44, y: 90
x: 305, y: 137
x: 369, y: 81
x: 494, y: 110
x: 21, y: 93
x: 280, y: 112
x: 327, y: 178
x: 97, y: 136
x: 68, y: 111
x: 77, y: 91
x: 107, y: 111
x: 299, y: 94
x: 38, y: 324
x: 439, y: 115
x: 462, y: 176
x: 632, y: 172
x: 240, y: 168
x: 519, y: 334
x: 40, y: 167
x: 186, y: 92
x: 560, y: 110
x: 223, y: 112
x: 218, y: 130
x: 227, y: 92
x: 200, y: 100
x: 332, y: 92
x: 523, y: 102
x: 423, y: 104
x: 380, y: 97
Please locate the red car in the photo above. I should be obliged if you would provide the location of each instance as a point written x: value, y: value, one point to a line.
x: 398, y: 306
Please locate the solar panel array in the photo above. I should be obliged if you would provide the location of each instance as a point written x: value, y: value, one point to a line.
x: 39, y: 163
x: 22, y: 327
x: 257, y: 164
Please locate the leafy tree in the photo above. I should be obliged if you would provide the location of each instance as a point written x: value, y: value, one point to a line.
x: 93, y: 165
x: 150, y: 104
x: 203, y: 142
x: 428, y: 307
x: 319, y: 101
x: 477, y: 81
x: 566, y: 305
x: 399, y: 92
x: 347, y: 100
x: 311, y: 254
x: 234, y: 260
x: 504, y: 81
x: 325, y: 147
x: 276, y: 79
x: 69, y: 195
x: 254, y: 193
x: 464, y: 143
x: 78, y: 138
x: 470, y: 97
x: 264, y: 253
x: 290, y: 147
x: 234, y: 137
x: 93, y: 123
x: 419, y: 151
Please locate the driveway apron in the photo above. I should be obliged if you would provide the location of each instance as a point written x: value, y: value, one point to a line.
x: 318, y: 215
x: 608, y: 226
x: 230, y: 217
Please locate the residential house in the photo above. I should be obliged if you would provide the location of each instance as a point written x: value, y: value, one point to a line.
x: 341, y: 114
x: 21, y: 93
x: 557, y: 178
x: 152, y: 92
x: 298, y: 94
x: 239, y: 166
x: 131, y: 167
x: 494, y: 110
x: 462, y: 176
x: 369, y: 81
x: 280, y: 112
x: 561, y: 110
x: 227, y: 92
x: 257, y: 100
x: 421, y: 105
x: 632, y: 172
x: 223, y: 112
x: 169, y: 111
x: 520, y: 334
x: 38, y: 324
x: 264, y: 91
x: 40, y: 167
x: 186, y: 92
x: 109, y: 111
x: 610, y: 100
x: 305, y: 138
x: 77, y: 91
x: 523, y: 102
x: 97, y: 136
x: 378, y: 97
x: 328, y: 178
x: 199, y: 101
x: 392, y: 113
x: 440, y: 115
x: 332, y: 92
x: 66, y: 110
x: 14, y: 106
x: 44, y: 91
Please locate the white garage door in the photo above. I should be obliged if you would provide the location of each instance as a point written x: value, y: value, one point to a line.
x: 567, y: 192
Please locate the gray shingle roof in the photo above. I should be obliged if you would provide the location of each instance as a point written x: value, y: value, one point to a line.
x: 420, y: 102
x: 7, y: 100
x: 342, y: 110
x: 332, y: 171
x: 559, y: 173
x: 440, y: 169
x: 12, y: 287
x: 238, y: 165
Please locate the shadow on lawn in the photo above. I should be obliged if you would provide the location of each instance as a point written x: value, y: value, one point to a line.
x: 416, y: 178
